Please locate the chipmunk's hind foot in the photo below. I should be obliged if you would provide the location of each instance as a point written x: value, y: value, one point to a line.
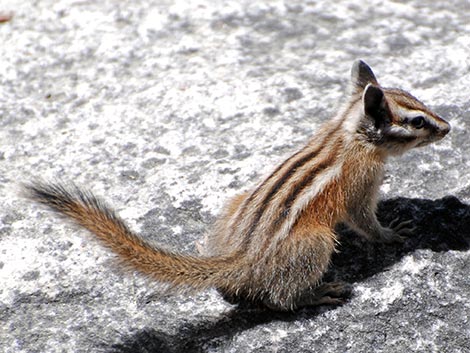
x: 332, y: 293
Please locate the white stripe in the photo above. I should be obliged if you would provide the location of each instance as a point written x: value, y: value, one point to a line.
x: 302, y: 201
x: 403, y: 112
x: 353, y: 119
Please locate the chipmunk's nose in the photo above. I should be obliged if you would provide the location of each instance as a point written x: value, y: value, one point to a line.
x: 444, y: 128
x: 440, y: 127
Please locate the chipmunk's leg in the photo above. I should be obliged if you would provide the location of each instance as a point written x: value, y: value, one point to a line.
x: 362, y: 219
x: 296, y: 266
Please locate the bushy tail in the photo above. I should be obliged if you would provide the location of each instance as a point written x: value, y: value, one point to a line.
x: 172, y: 268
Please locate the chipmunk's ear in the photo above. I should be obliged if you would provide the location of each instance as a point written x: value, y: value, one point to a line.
x: 375, y: 105
x: 361, y: 76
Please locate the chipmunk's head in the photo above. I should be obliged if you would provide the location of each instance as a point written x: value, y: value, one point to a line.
x: 391, y: 118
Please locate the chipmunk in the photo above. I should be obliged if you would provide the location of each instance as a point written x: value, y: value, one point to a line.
x: 271, y: 245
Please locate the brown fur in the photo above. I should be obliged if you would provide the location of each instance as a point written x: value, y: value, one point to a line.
x: 273, y: 244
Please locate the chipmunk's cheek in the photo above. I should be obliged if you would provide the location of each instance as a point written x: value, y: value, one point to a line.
x: 433, y: 137
x: 423, y: 143
x: 430, y: 139
x: 439, y: 135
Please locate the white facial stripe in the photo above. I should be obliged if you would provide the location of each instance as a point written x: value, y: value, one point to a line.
x: 403, y: 112
x: 411, y: 113
x: 401, y: 131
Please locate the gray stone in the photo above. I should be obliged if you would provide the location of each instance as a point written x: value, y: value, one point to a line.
x: 165, y: 108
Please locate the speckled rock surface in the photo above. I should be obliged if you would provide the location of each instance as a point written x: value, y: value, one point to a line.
x: 166, y: 108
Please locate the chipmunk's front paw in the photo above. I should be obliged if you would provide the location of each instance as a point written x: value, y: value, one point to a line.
x: 396, y: 231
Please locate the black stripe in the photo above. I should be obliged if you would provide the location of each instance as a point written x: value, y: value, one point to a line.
x: 277, y: 186
x: 281, y: 181
x: 261, y: 186
x: 279, y: 167
x: 302, y: 185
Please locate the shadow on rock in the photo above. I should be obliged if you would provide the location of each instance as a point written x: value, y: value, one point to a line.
x: 441, y: 225
x: 202, y: 336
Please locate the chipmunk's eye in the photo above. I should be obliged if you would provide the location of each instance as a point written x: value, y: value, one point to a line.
x: 418, y: 122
